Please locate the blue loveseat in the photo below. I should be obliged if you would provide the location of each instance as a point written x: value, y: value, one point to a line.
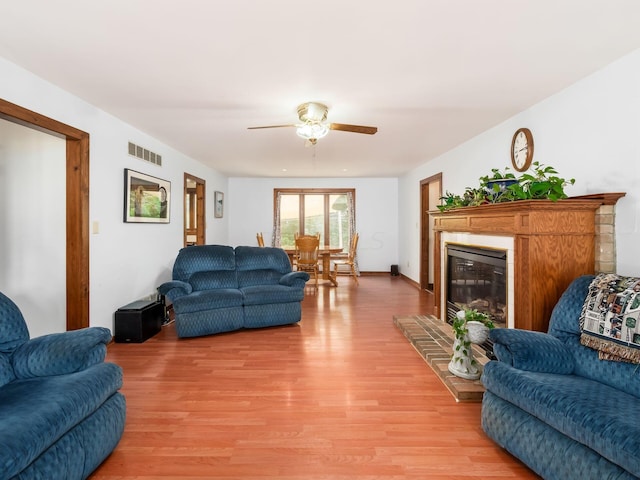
x: 216, y: 288
x: 61, y: 413
x: 551, y: 401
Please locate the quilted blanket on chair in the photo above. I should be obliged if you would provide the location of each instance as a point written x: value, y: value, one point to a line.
x: 609, y: 320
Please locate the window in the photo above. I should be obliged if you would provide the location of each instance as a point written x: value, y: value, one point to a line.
x: 329, y: 212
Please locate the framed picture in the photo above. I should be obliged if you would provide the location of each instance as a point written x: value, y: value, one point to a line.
x: 218, y: 200
x: 146, y: 198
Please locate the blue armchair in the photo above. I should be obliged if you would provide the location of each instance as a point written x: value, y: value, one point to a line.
x: 61, y: 413
x: 551, y: 402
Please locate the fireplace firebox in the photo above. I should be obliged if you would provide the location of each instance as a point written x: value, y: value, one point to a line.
x: 477, y: 278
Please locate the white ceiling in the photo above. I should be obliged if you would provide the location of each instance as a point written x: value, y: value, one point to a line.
x: 430, y: 74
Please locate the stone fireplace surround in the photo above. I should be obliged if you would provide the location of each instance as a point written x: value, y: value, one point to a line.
x: 548, y: 244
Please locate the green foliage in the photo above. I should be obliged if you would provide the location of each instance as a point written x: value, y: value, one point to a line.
x: 461, y: 330
x: 542, y: 183
x: 460, y: 324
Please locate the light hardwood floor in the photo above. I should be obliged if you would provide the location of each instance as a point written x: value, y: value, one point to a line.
x: 342, y: 395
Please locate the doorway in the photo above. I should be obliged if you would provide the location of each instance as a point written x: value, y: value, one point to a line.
x: 194, y: 214
x: 430, y: 193
x: 77, y: 206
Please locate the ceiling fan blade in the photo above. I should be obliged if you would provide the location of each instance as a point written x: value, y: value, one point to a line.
x: 343, y: 127
x: 270, y: 126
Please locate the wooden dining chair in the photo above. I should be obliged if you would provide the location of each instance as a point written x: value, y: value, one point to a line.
x: 348, y: 261
x: 260, y: 239
x: 306, y: 256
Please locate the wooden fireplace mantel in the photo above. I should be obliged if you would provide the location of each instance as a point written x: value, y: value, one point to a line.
x: 554, y: 242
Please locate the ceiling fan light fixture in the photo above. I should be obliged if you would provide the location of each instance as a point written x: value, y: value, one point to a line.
x: 312, y: 112
x: 312, y: 131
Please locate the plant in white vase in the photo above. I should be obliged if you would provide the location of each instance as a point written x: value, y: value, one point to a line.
x: 470, y: 326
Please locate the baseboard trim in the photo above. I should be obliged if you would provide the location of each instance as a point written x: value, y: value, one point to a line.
x: 410, y: 281
x: 401, y: 276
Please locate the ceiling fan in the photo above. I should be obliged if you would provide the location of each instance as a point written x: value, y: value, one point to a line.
x: 313, y: 123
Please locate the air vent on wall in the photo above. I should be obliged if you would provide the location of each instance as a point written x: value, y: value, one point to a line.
x: 144, y: 154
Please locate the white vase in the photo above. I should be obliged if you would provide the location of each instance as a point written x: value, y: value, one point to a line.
x: 478, y: 332
x: 462, y: 363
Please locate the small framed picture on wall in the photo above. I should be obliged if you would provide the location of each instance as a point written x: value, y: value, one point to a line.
x: 218, y: 200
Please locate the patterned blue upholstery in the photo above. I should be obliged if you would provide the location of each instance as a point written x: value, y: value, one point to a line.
x: 547, y: 451
x: 13, y: 329
x: 552, y: 403
x: 206, y: 258
x: 216, y: 288
x: 57, y: 397
x: 13, y: 333
x: 531, y: 351
x: 564, y: 318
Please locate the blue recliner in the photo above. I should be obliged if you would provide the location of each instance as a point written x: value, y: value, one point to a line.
x: 551, y: 402
x: 61, y: 413
x: 216, y: 288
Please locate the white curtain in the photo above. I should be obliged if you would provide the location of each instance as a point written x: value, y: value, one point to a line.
x: 351, y: 208
x: 275, y: 237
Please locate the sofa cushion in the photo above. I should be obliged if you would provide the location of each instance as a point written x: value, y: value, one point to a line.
x: 6, y: 370
x: 208, y: 300
x: 213, y: 279
x: 590, y: 412
x: 267, y: 294
x: 206, y: 258
x: 620, y: 375
x: 262, y: 258
x: 564, y: 322
x: 36, y: 412
x: 258, y: 277
x: 261, y: 265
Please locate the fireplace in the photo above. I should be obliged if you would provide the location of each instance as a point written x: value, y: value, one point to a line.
x: 548, y: 245
x: 477, y: 279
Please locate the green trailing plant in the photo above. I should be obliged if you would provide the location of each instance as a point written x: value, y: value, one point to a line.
x: 542, y: 182
x: 461, y: 331
x: 496, y: 174
x: 470, y: 197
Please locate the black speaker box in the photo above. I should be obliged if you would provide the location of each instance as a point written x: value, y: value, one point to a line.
x: 394, y: 270
x: 138, y: 321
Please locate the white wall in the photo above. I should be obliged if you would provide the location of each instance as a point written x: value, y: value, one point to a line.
x: 127, y: 261
x: 250, y: 208
x: 589, y: 131
x: 33, y: 219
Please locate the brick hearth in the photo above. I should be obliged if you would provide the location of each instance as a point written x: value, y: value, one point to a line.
x: 433, y: 340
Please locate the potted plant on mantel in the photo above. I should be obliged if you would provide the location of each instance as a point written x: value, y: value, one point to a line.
x: 504, y: 186
x: 470, y: 326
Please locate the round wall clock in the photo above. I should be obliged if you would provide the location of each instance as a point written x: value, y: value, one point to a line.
x: 522, y: 149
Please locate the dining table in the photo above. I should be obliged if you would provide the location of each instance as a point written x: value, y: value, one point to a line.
x: 324, y: 252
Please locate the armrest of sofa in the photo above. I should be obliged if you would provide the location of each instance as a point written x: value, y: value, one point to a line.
x: 294, y: 279
x: 531, y: 351
x: 175, y: 289
x: 61, y: 353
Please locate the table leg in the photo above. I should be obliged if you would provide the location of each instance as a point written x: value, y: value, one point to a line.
x: 326, y: 270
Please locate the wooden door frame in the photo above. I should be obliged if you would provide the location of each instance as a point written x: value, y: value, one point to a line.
x: 424, y: 239
x: 201, y: 226
x: 77, y: 206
